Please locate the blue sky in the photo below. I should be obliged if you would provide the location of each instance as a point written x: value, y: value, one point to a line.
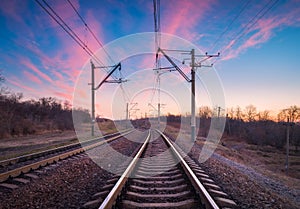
x: 259, y: 62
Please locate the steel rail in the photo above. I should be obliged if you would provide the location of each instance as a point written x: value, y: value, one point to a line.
x: 23, y: 158
x: 33, y: 166
x: 205, y: 197
x: 116, y: 190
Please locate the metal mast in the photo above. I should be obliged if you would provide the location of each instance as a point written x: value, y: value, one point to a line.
x: 193, y: 65
x: 93, y: 98
x: 93, y: 88
x: 193, y: 100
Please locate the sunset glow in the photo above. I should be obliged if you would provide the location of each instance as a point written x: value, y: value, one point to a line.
x: 258, y: 63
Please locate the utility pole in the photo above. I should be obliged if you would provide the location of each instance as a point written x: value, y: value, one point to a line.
x: 193, y: 100
x: 193, y: 65
x: 127, y: 111
x: 158, y: 104
x: 287, y: 144
x: 219, y: 111
x: 228, y: 124
x: 93, y: 88
x: 131, y: 109
x: 126, y: 114
x: 93, y: 98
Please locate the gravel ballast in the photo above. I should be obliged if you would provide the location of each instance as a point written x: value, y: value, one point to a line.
x: 67, y: 184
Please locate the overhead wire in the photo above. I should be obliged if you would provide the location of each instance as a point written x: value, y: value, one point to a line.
x: 52, y: 16
x: 156, y: 15
x: 90, y: 30
x: 100, y: 44
x: 247, y: 28
x: 252, y: 22
x: 68, y: 30
x: 50, y: 11
x: 230, y: 24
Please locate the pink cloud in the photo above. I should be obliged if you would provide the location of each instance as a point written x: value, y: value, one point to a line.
x: 93, y: 23
x: 63, y: 86
x: 72, y: 58
x: 183, y: 16
x: 31, y: 66
x: 64, y: 95
x: 262, y: 32
x: 12, y: 9
x: 18, y: 83
x: 65, y: 11
x: 32, y: 77
x: 34, y: 48
x: 58, y: 75
x: 82, y: 94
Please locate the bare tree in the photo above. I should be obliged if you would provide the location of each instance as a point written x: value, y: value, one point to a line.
x: 250, y: 113
x: 292, y: 113
x: 238, y: 113
x: 67, y: 105
x: 205, y: 112
x: 264, y: 115
x: 281, y: 116
x: 230, y: 112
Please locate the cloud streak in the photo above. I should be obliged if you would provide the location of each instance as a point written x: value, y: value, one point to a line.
x: 262, y: 31
x: 27, y: 63
x: 15, y: 81
x: 182, y: 18
x: 54, y: 60
x: 32, y: 77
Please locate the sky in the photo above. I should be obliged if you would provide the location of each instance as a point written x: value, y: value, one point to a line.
x: 258, y: 42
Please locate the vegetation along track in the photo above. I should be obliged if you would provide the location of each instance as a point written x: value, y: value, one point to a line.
x: 23, y: 164
x: 160, y: 177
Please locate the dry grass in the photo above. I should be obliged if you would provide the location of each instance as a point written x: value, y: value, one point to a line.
x: 17, y: 146
x: 107, y: 127
x: 266, y: 160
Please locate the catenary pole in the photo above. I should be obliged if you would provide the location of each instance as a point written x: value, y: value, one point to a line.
x: 93, y: 98
x: 193, y: 102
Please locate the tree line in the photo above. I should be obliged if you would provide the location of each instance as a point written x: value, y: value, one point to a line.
x: 20, y: 117
x: 256, y: 127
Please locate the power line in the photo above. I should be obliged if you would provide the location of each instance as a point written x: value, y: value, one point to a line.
x: 89, y: 29
x: 68, y: 30
x: 248, y: 26
x: 85, y: 47
x: 39, y: 3
x: 229, y: 25
x: 252, y: 22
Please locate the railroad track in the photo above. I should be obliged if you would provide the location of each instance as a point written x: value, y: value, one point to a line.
x: 23, y: 164
x: 160, y: 177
